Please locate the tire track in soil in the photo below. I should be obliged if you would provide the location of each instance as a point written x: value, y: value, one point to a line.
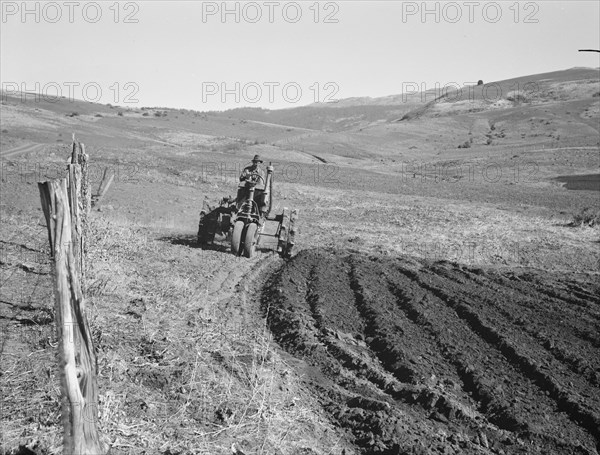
x: 233, y: 284
x: 410, y: 362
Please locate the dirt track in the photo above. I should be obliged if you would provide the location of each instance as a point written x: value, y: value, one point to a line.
x: 412, y: 357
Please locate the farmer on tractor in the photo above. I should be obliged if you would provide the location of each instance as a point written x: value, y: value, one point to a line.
x: 256, y: 175
x: 248, y: 219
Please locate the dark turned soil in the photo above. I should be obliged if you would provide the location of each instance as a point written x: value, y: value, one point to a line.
x: 413, y: 357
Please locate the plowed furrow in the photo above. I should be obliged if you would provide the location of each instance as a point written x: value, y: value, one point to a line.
x: 357, y: 357
x: 545, y: 296
x: 569, y: 404
x: 485, y: 372
x: 505, y: 306
x: 415, y: 357
x: 546, y: 369
x: 331, y: 285
x: 300, y: 304
x: 471, y: 381
x: 401, y: 344
x: 538, y: 304
x: 490, y: 397
x: 287, y: 314
x: 385, y: 333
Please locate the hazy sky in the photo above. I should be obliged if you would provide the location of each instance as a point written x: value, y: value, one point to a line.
x: 183, y: 54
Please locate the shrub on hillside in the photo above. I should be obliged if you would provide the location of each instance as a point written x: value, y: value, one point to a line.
x: 586, y: 217
x: 517, y: 97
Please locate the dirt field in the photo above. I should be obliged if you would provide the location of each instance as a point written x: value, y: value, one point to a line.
x: 415, y: 357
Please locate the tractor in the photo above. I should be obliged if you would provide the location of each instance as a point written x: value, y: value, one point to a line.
x: 247, y: 220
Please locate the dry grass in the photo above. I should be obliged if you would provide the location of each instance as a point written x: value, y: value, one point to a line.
x: 472, y: 234
x: 179, y: 374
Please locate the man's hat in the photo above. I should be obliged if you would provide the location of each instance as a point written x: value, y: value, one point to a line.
x: 257, y: 159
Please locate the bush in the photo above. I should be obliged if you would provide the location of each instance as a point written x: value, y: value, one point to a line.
x: 479, y: 82
x: 586, y: 217
x: 120, y: 113
x: 465, y: 145
x: 517, y: 97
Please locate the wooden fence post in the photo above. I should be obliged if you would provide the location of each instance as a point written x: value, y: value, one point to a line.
x: 107, y: 179
x: 77, y: 358
x: 80, y: 202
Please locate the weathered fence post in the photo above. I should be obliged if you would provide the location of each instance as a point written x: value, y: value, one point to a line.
x: 107, y: 179
x: 77, y: 358
x: 80, y: 203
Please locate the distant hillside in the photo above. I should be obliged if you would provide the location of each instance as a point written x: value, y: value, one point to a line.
x: 552, y: 110
x: 360, y: 112
x: 546, y: 88
x: 322, y: 117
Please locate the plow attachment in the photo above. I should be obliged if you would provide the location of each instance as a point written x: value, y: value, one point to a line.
x: 279, y: 233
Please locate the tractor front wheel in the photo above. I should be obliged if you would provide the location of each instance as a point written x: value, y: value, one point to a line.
x: 236, y: 237
x: 250, y: 240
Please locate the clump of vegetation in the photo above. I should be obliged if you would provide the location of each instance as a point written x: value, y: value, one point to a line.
x: 98, y: 115
x: 73, y: 114
x: 586, y: 217
x: 120, y: 113
x: 466, y: 144
x: 479, y: 82
x: 517, y: 97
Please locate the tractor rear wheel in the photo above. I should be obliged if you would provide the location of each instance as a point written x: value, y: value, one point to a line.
x: 236, y: 237
x: 250, y: 240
